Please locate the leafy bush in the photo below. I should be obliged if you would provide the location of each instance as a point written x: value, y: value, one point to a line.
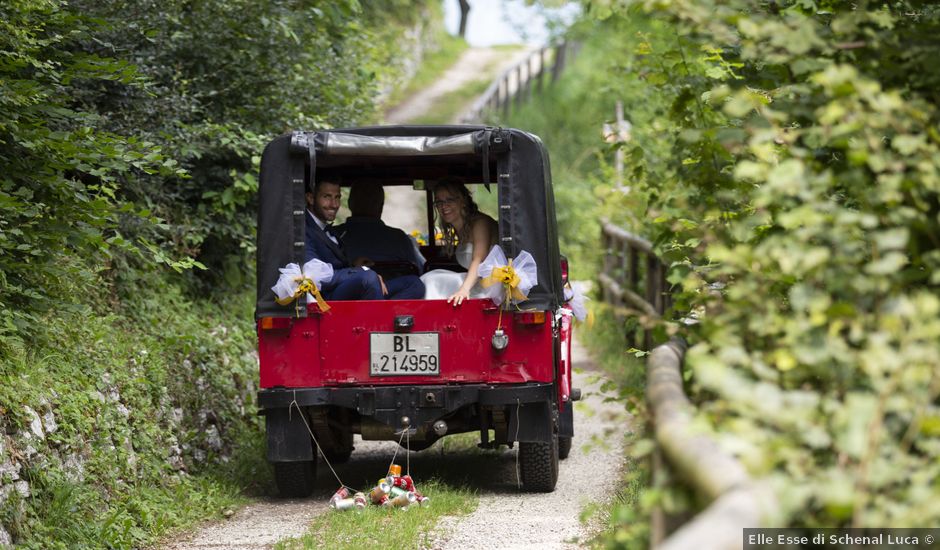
x: 789, y: 174
x: 136, y: 129
x: 59, y: 193
x: 131, y: 133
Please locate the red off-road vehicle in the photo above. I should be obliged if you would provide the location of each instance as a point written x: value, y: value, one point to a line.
x: 376, y: 368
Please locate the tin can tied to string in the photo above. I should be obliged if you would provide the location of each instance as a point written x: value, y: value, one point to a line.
x: 340, y: 494
x: 378, y: 496
x: 344, y: 504
x: 405, y: 482
x: 360, y: 500
x: 397, y: 491
x: 404, y: 500
x: 384, y: 485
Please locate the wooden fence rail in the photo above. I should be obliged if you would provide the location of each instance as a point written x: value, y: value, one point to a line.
x: 736, y: 501
x: 518, y: 83
x: 633, y: 282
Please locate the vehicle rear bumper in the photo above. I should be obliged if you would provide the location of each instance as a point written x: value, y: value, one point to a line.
x: 530, y: 410
x: 426, y: 401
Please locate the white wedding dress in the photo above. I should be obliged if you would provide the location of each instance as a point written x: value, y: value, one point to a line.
x: 440, y: 284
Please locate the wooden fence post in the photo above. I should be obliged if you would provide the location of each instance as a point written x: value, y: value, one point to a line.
x: 633, y: 283
x: 528, y: 77
x: 559, y: 61
x: 652, y: 284
x: 505, y: 83
x: 606, y: 241
x: 517, y: 97
x: 541, y: 74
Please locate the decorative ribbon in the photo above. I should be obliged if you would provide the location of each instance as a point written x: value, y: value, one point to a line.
x: 575, y: 302
x: 510, y: 280
x: 306, y: 286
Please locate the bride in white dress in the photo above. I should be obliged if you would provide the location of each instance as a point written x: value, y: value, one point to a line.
x: 475, y: 232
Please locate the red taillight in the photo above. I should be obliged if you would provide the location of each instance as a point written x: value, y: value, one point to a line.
x: 269, y: 323
x: 530, y: 317
x: 564, y: 270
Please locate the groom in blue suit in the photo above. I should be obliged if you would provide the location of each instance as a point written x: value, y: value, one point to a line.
x: 348, y: 283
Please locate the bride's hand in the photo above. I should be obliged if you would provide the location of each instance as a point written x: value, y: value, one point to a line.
x: 458, y: 297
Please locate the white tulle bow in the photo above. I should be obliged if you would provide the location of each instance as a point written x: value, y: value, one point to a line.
x: 574, y: 299
x: 503, y: 278
x: 295, y: 282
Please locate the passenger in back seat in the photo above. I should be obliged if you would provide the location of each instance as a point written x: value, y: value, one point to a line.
x: 365, y: 235
x: 468, y: 236
x: 348, y: 283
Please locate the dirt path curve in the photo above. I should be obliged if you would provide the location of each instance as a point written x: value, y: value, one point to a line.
x: 474, y: 64
x: 401, y: 208
x: 505, y: 517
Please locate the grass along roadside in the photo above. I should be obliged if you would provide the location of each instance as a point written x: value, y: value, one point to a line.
x: 124, y: 401
x: 448, y: 473
x: 386, y: 527
x: 623, y: 522
x: 452, y: 104
x: 432, y: 67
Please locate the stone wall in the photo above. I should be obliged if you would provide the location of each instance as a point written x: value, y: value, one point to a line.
x: 114, y: 431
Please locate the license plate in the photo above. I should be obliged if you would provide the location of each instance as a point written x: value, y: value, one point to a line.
x: 411, y: 354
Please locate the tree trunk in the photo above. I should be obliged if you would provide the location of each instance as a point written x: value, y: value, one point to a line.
x: 464, y: 11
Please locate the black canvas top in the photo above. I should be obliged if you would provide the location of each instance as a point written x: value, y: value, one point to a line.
x: 517, y: 165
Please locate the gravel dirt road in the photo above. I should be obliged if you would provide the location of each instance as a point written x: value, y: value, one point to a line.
x: 474, y: 64
x: 508, y: 519
x: 505, y: 518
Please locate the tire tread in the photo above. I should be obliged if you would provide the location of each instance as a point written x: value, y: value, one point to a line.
x: 538, y: 465
x: 295, y: 479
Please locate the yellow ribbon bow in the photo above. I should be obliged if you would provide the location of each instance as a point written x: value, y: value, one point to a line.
x: 506, y: 276
x: 306, y: 285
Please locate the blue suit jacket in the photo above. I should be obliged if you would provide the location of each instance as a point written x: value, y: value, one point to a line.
x: 370, y: 237
x: 318, y: 245
x: 353, y: 283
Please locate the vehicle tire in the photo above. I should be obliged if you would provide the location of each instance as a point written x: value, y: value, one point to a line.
x: 295, y: 479
x: 538, y: 465
x: 564, y: 447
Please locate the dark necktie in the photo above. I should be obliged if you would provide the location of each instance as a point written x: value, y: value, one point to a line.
x: 329, y: 233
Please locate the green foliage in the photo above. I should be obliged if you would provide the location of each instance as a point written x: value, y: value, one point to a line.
x: 220, y: 79
x: 568, y: 115
x: 60, y: 188
x: 132, y: 131
x: 123, y: 396
x: 130, y: 140
x: 785, y: 162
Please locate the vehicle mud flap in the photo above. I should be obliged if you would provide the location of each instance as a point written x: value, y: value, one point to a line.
x: 532, y: 420
x: 566, y: 421
x: 288, y: 438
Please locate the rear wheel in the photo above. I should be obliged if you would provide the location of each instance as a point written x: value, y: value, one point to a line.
x: 538, y: 465
x: 564, y: 447
x: 295, y: 479
x: 343, y: 449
